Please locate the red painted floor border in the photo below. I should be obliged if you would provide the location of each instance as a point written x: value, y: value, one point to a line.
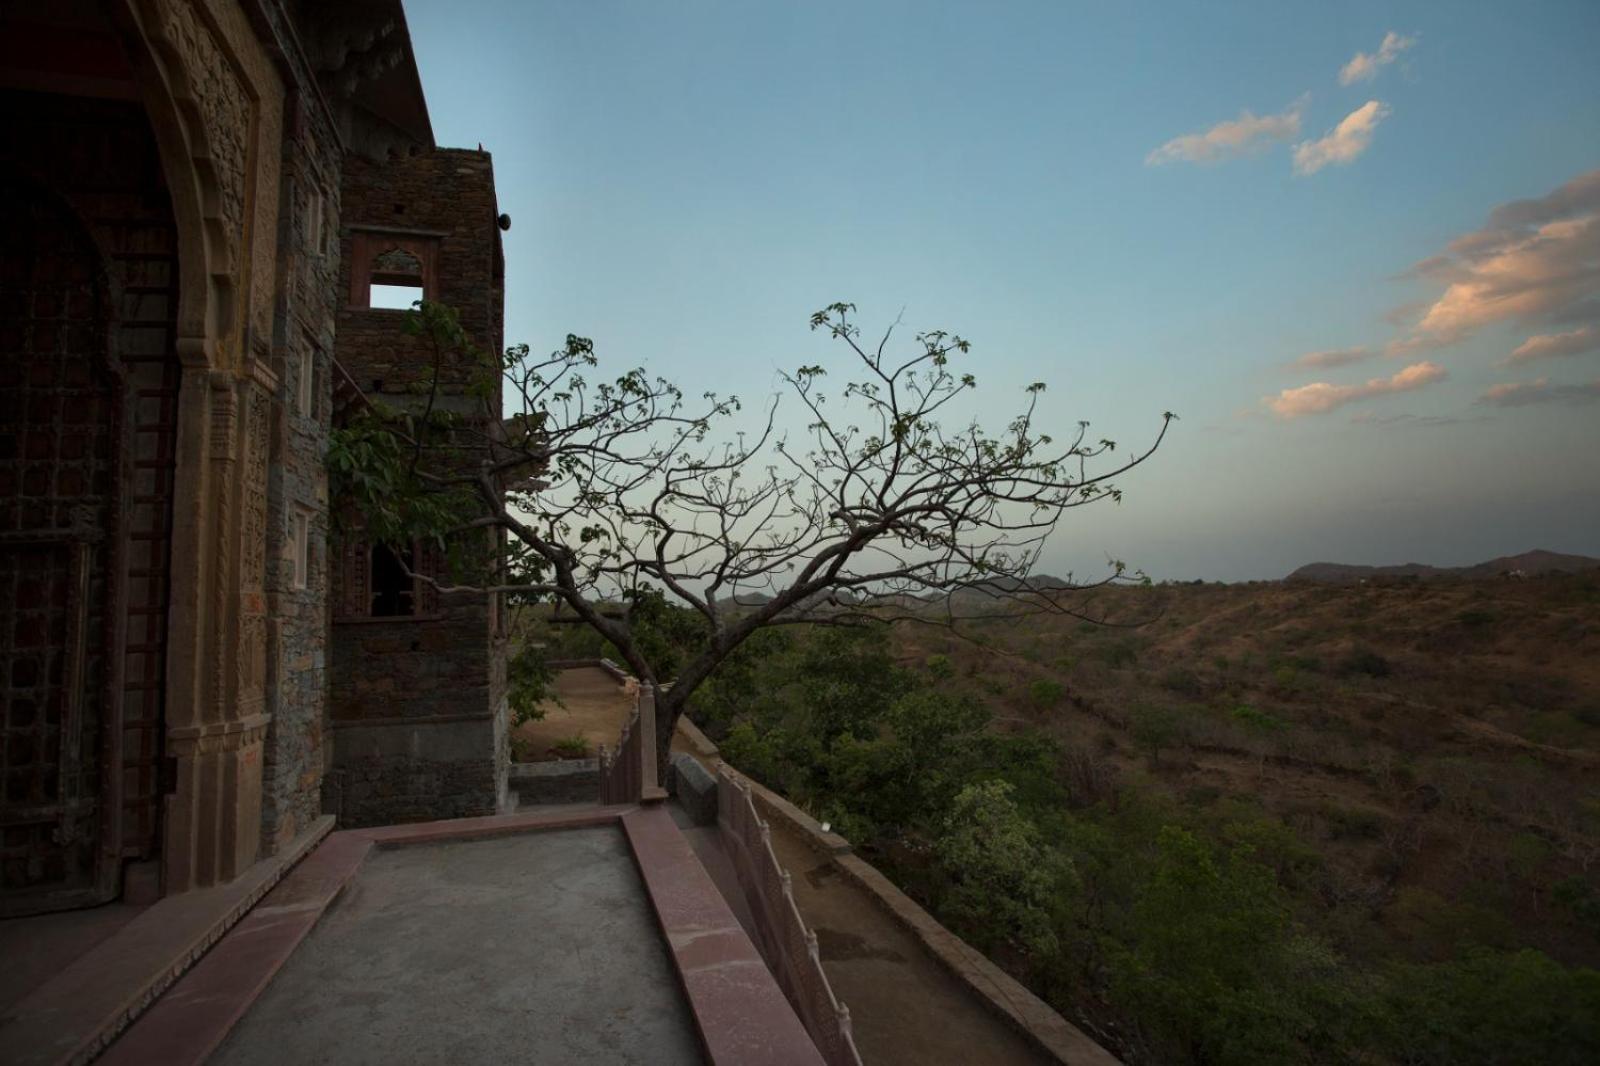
x: 743, y: 1017
x: 188, y: 1023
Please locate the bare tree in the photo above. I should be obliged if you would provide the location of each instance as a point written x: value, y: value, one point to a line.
x: 870, y: 509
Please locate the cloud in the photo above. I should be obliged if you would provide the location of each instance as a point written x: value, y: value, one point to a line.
x: 1365, y: 67
x: 1548, y: 345
x: 1321, y: 397
x: 1229, y: 140
x: 1405, y: 420
x: 1333, y: 357
x: 1344, y: 143
x: 1527, y: 393
x: 1536, y: 262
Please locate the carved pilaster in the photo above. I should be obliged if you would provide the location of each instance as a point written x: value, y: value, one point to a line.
x: 250, y: 658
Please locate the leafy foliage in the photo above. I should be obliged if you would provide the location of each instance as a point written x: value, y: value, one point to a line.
x: 1001, y: 878
x: 1190, y: 932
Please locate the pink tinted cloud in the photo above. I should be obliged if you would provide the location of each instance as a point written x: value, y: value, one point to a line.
x: 1536, y: 263
x: 1364, y: 66
x: 1343, y: 144
x: 1333, y: 357
x: 1527, y: 393
x: 1551, y: 345
x: 1320, y: 397
x: 1228, y: 140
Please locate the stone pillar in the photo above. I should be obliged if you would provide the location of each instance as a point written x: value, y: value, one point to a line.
x: 215, y: 732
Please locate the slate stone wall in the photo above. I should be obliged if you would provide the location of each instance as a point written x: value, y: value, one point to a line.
x: 295, y: 752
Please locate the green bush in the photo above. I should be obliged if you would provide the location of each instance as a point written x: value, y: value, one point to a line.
x: 1350, y: 823
x: 1045, y: 694
x: 1493, y: 1007
x: 528, y: 681
x: 1156, y: 728
x: 1118, y: 654
x: 1000, y: 879
x: 1212, y: 967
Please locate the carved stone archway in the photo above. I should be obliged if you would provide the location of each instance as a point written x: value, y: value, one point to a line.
x: 214, y: 103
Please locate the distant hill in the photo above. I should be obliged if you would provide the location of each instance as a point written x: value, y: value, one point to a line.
x: 1531, y: 563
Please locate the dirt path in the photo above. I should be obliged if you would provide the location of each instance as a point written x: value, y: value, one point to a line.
x: 592, y: 705
x: 904, y: 1006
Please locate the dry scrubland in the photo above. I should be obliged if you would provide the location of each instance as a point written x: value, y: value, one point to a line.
x: 1436, y: 742
x: 1260, y: 823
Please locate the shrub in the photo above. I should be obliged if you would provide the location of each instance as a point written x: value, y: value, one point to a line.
x: 1491, y: 1007
x: 1212, y: 967
x: 1045, y: 693
x: 1286, y: 678
x: 1001, y: 878
x: 1184, y: 681
x: 573, y: 747
x: 1257, y: 721
x: 1156, y: 727
x: 1118, y: 654
x: 1366, y: 661
x: 1352, y: 823
x: 528, y: 680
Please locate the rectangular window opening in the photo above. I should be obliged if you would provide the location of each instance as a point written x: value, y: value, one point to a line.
x: 301, y: 539
x: 393, y: 589
x: 394, y: 297
x: 307, y: 396
x: 314, y: 221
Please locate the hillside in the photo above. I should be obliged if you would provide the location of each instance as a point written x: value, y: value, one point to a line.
x: 1528, y: 564
x: 1436, y: 744
x: 1234, y: 823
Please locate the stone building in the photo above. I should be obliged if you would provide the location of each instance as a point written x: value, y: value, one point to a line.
x: 196, y: 200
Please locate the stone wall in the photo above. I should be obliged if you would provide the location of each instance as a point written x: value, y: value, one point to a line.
x: 417, y: 702
x: 293, y: 755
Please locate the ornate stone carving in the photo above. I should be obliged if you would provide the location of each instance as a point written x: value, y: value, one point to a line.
x: 252, y: 647
x: 398, y: 261
x: 216, y: 115
x: 217, y: 92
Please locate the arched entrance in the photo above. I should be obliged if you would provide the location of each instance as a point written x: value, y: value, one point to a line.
x: 61, y: 458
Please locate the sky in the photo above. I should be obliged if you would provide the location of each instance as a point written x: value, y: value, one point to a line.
x: 1355, y: 246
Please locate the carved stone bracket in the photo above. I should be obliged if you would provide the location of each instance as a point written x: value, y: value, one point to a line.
x: 218, y: 736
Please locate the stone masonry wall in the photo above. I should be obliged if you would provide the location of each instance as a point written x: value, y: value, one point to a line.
x: 417, y: 703
x: 295, y: 753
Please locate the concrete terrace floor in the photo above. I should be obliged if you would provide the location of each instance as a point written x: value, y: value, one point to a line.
x: 531, y: 948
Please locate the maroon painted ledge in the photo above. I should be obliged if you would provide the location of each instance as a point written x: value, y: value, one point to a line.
x: 739, y: 1010
x: 741, y: 1013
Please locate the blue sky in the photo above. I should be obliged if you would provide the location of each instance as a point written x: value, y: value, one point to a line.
x: 1148, y: 206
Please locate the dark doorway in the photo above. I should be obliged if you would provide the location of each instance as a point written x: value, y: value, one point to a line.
x: 60, y: 479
